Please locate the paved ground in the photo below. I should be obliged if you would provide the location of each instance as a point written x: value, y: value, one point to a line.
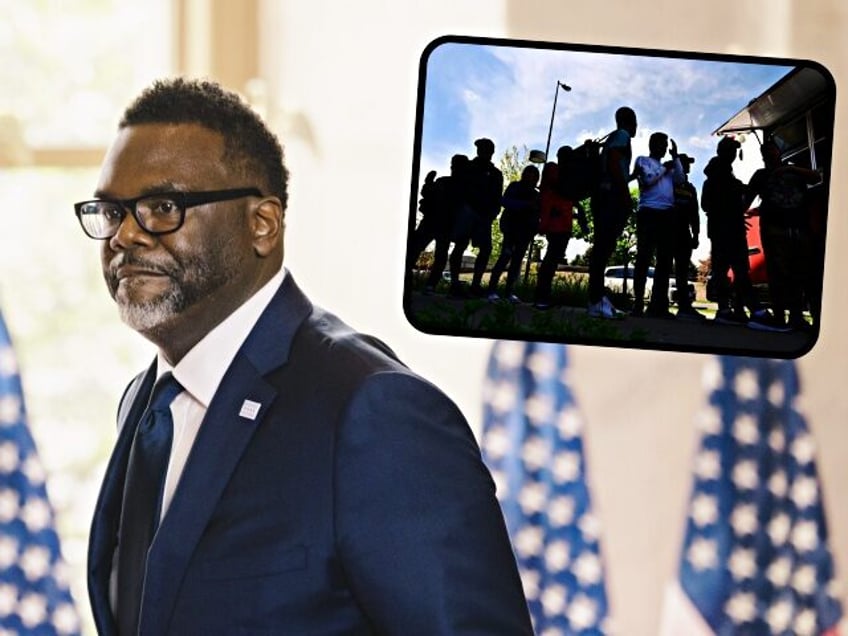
x: 441, y: 314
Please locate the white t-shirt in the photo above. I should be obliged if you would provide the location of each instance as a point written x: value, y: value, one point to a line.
x: 656, y: 183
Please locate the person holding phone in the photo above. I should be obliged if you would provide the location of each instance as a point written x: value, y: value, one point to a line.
x: 655, y: 223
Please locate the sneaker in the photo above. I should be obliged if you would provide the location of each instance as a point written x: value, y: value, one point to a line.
x: 596, y: 310
x: 603, y: 309
x: 515, y: 300
x: 493, y: 297
x: 616, y: 313
x: 728, y: 317
x: 762, y: 320
x: 690, y: 313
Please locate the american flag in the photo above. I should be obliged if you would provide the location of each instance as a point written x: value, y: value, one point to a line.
x: 34, y: 597
x: 532, y: 443
x: 755, y: 558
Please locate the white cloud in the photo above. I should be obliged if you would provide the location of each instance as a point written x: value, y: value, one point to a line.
x: 685, y: 98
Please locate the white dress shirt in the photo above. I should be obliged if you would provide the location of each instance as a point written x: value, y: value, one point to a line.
x: 200, y: 372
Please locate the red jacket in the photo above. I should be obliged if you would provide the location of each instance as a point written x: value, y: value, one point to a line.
x: 557, y: 212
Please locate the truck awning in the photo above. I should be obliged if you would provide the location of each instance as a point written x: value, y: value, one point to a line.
x: 793, y: 94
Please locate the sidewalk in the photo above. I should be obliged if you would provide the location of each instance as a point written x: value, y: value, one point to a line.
x: 440, y: 314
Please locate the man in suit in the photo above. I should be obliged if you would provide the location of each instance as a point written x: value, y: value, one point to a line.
x: 311, y: 483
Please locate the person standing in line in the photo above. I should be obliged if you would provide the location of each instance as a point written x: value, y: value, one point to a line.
x: 655, y: 223
x: 441, y: 201
x: 556, y: 222
x: 785, y: 232
x: 483, y: 203
x: 611, y: 207
x: 725, y: 200
x: 519, y: 223
x: 686, y: 230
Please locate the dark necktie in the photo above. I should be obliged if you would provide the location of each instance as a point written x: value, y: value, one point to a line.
x: 146, y: 468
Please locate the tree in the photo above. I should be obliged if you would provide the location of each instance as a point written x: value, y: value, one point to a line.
x: 512, y: 163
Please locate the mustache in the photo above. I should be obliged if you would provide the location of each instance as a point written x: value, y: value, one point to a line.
x: 127, y: 259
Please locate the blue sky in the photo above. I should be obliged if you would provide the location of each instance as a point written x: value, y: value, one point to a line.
x: 507, y: 93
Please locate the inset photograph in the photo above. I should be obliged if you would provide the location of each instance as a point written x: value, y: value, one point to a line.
x: 619, y: 197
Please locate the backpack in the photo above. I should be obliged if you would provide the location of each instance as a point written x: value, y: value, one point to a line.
x: 582, y: 176
x: 432, y: 194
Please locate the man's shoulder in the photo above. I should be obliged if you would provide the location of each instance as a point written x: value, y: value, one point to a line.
x: 317, y: 349
x: 686, y: 189
x: 618, y: 139
x: 341, y: 366
x: 486, y: 169
x: 759, y: 175
x: 325, y: 340
x: 494, y: 175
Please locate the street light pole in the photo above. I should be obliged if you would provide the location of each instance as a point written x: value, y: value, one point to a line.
x: 566, y: 88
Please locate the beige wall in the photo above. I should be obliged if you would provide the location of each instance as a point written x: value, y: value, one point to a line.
x: 342, y: 85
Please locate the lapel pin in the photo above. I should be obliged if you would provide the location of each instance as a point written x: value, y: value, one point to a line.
x: 249, y: 409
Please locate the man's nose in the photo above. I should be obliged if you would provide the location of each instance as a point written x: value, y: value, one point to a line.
x: 129, y: 233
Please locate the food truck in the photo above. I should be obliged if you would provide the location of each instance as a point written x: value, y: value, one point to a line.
x: 797, y: 113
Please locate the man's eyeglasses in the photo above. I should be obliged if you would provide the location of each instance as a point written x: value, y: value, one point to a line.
x: 156, y: 214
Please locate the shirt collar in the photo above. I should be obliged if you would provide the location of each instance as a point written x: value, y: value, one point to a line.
x: 201, y: 369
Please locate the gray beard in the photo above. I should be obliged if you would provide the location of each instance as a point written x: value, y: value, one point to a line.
x: 147, y: 316
x: 205, y: 276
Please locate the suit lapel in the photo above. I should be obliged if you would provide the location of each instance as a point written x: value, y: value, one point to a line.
x: 226, y: 430
x: 104, y: 528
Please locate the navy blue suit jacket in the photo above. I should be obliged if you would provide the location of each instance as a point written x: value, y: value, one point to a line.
x: 356, y: 502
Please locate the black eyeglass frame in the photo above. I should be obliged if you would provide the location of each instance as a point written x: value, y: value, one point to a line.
x: 183, y: 200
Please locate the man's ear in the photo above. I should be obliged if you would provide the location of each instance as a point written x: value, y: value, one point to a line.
x: 268, y: 225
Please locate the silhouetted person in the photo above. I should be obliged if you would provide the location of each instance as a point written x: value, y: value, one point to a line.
x: 817, y: 211
x: 556, y: 220
x: 654, y: 223
x: 519, y: 223
x: 483, y: 202
x: 784, y: 231
x: 686, y: 228
x: 611, y: 205
x: 441, y: 200
x: 724, y: 199
x: 426, y: 229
